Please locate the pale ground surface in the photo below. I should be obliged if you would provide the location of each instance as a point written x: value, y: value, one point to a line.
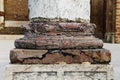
x: 7, y: 45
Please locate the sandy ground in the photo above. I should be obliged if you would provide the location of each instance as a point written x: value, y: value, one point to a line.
x: 7, y: 45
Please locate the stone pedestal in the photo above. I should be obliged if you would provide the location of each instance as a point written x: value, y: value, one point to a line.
x: 53, y: 43
x: 59, y: 72
x: 55, y: 36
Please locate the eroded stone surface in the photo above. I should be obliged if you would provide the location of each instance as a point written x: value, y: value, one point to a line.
x: 70, y: 9
x: 48, y: 35
x: 59, y: 42
x: 36, y: 76
x: 58, y: 35
x: 47, y: 27
x: 59, y: 72
x: 18, y: 55
x: 68, y: 75
x: 85, y: 75
x: 94, y: 56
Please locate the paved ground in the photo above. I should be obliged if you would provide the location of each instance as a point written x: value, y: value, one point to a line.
x: 7, y: 45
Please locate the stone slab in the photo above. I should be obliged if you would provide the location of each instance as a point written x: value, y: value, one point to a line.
x: 27, y: 56
x: 59, y: 72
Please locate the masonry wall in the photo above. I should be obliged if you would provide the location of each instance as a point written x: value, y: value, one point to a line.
x: 117, y: 34
x: 16, y: 10
x: 13, y: 13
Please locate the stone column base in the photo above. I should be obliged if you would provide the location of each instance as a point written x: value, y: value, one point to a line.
x: 59, y: 72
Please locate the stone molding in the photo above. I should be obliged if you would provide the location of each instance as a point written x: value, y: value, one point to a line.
x: 59, y: 72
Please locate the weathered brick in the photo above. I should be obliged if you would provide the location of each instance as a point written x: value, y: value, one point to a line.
x: 117, y: 36
x: 16, y: 10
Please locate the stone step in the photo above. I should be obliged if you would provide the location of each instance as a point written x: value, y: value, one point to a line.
x: 59, y: 72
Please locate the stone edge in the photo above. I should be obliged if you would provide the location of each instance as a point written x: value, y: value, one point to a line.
x: 60, y: 68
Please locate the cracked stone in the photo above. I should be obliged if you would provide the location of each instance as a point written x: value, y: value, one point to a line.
x: 94, y: 56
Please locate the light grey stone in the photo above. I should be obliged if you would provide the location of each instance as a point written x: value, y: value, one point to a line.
x: 70, y: 9
x: 59, y: 72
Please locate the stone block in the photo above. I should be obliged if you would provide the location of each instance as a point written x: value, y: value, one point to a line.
x: 26, y: 56
x: 59, y: 42
x: 59, y: 72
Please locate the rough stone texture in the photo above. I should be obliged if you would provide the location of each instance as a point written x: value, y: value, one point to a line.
x: 70, y: 9
x: 94, y: 56
x: 58, y: 42
x: 62, y: 28
x: 16, y: 10
x: 47, y: 35
x: 59, y: 72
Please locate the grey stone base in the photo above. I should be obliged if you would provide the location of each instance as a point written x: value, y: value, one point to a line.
x: 59, y: 72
